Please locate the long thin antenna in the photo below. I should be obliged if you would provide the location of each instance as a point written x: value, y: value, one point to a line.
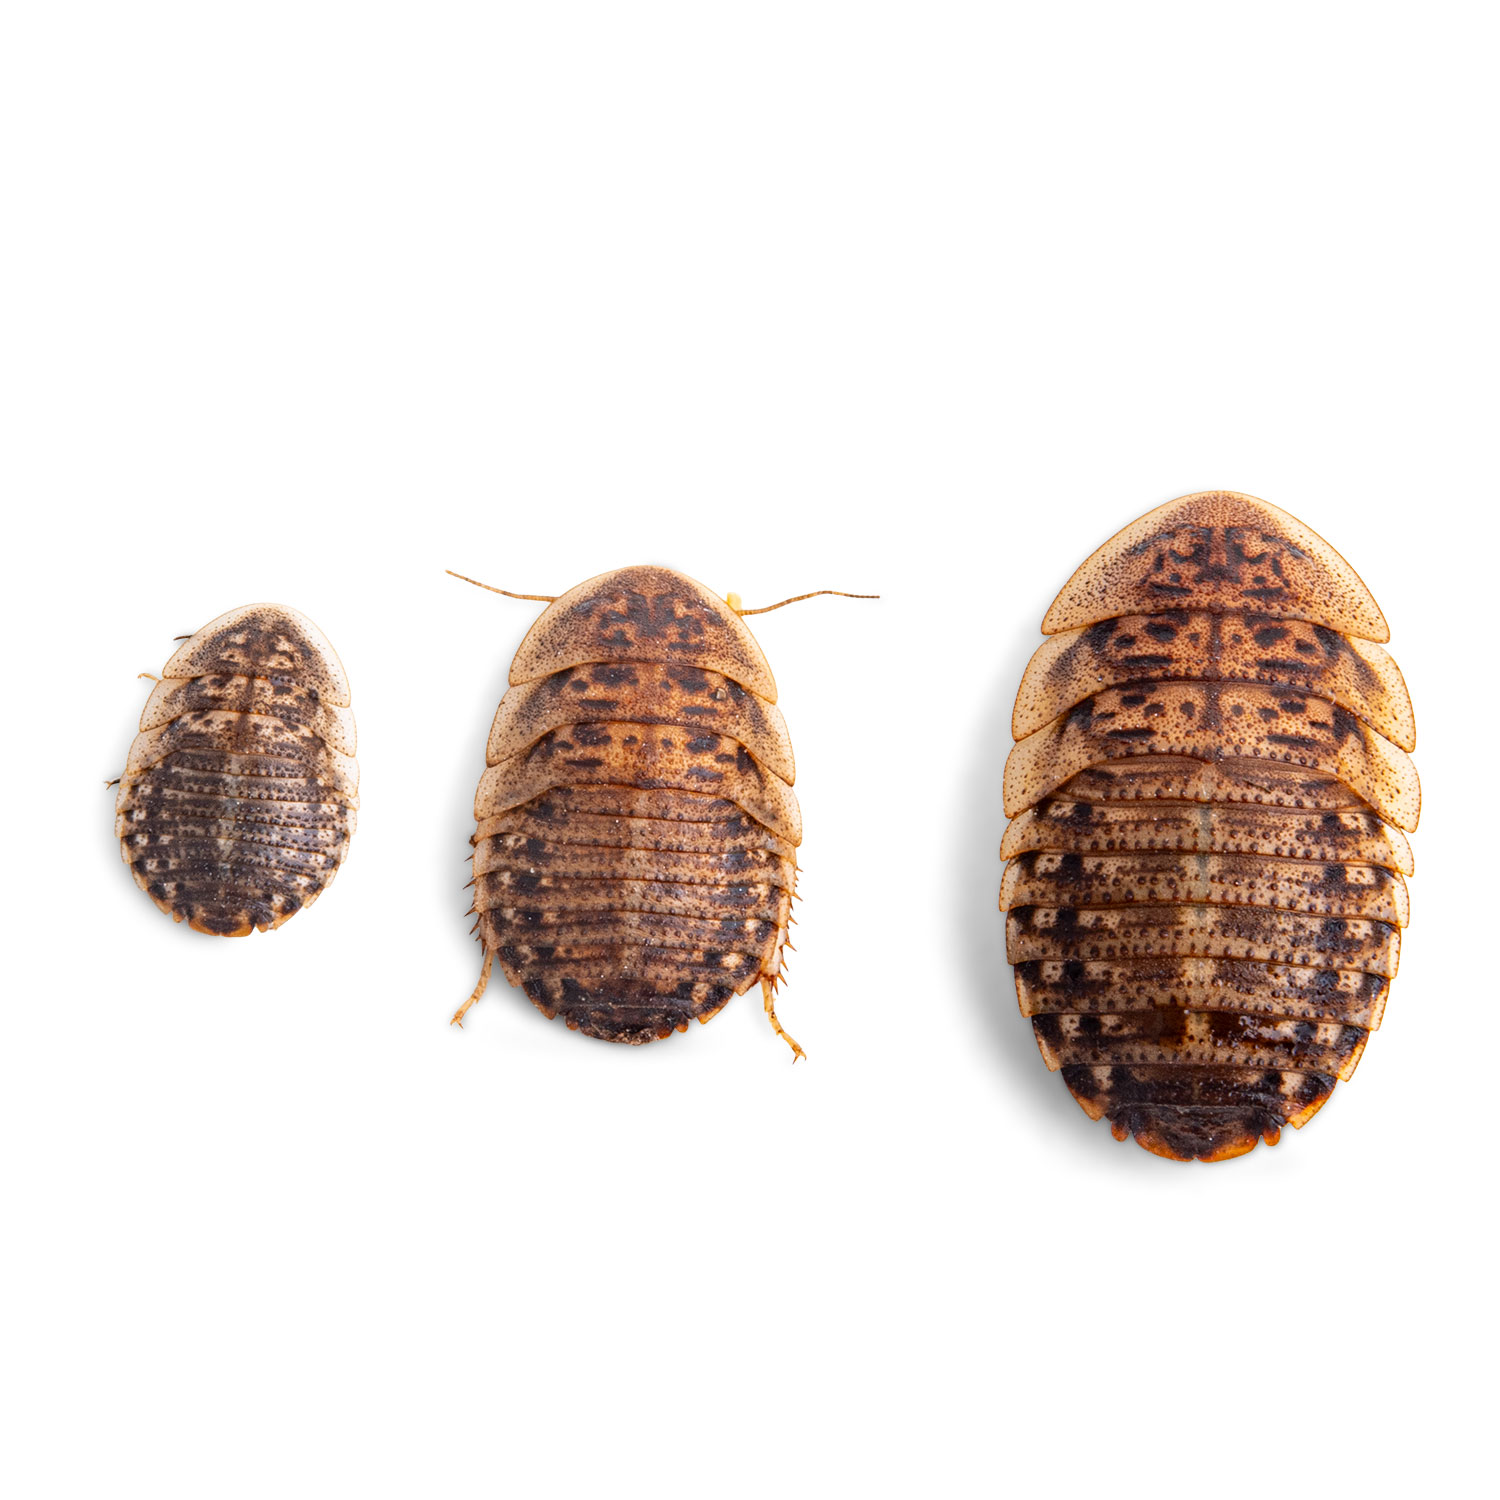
x: 766, y: 609
x: 540, y: 598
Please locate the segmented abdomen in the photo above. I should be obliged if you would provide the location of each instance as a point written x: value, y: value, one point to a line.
x: 635, y: 855
x: 1205, y: 892
x: 240, y: 792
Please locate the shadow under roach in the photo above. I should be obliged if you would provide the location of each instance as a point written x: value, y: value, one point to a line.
x: 978, y: 936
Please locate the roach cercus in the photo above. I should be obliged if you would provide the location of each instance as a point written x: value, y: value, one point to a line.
x: 239, y: 795
x: 635, y: 860
x: 1205, y: 894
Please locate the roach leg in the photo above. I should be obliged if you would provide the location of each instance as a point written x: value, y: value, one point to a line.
x: 484, y: 979
x: 765, y: 989
x: 151, y: 675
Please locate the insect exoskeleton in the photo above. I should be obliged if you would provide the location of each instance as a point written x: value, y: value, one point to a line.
x: 635, y: 861
x: 239, y: 795
x: 1205, y: 892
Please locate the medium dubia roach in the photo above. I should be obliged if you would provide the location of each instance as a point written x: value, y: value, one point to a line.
x: 239, y: 795
x: 1205, y: 894
x: 635, y: 860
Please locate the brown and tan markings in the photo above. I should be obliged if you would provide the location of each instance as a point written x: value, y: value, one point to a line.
x: 1205, y: 892
x: 240, y: 792
x: 635, y: 861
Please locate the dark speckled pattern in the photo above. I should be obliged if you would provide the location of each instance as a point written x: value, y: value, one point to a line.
x: 1205, y: 892
x: 240, y: 793
x: 635, y: 858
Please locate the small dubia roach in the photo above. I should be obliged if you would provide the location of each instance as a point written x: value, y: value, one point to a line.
x: 1210, y: 780
x: 239, y: 795
x: 636, y: 855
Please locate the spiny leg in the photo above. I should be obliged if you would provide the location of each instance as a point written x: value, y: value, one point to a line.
x: 770, y: 997
x: 484, y: 979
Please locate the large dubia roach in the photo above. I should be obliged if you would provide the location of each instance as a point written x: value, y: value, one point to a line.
x: 635, y: 860
x: 1207, y: 791
x: 240, y: 792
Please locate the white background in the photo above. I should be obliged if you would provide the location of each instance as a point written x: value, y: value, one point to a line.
x: 307, y: 303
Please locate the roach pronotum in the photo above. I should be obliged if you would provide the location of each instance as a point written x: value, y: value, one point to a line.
x: 239, y: 795
x: 1205, y: 894
x: 635, y: 860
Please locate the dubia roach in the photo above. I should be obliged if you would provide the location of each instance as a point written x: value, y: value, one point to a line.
x: 239, y: 796
x: 1205, y: 894
x: 635, y: 860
